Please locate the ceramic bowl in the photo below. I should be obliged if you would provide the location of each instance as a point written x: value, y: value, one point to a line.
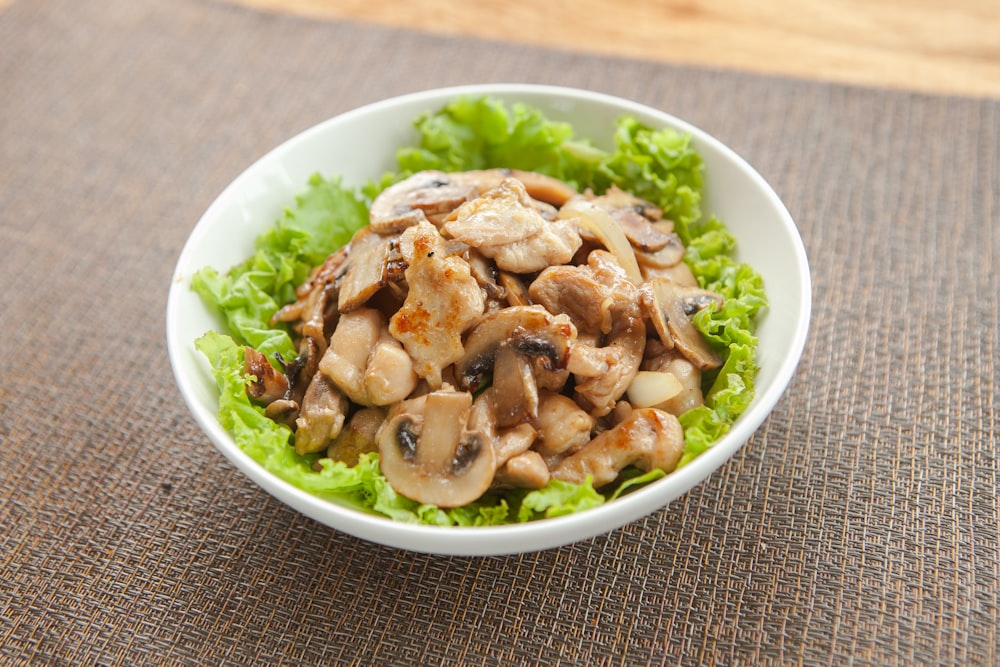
x: 360, y: 145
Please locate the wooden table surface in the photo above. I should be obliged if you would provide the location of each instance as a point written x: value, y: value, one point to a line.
x: 936, y: 46
x: 941, y: 46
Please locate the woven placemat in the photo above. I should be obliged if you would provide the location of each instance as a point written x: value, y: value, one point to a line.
x: 859, y: 524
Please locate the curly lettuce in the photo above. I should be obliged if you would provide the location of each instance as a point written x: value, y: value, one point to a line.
x: 659, y: 165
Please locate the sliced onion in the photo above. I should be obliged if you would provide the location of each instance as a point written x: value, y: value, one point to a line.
x: 650, y: 388
x: 602, y: 225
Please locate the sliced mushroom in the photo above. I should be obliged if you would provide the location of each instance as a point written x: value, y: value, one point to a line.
x: 431, y: 457
x: 367, y: 268
x: 321, y: 418
x: 486, y: 274
x: 671, y: 254
x: 266, y: 384
x: 648, y: 439
x: 442, y: 302
x: 539, y: 187
x: 507, y: 442
x: 664, y: 301
x: 515, y: 292
x: 423, y: 196
x: 529, y: 330
x: 358, y: 437
x: 323, y: 277
x: 516, y: 394
x: 679, y: 273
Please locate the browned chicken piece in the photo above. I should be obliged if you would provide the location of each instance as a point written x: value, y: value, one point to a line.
x: 504, y: 225
x: 574, y: 291
x: 524, y: 471
x: 443, y: 301
x: 365, y: 362
x: 600, y: 298
x: 562, y: 426
x: 647, y: 439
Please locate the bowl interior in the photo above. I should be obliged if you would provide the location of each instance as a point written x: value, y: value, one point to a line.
x: 360, y: 145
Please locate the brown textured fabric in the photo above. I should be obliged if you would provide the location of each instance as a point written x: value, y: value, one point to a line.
x: 860, y: 524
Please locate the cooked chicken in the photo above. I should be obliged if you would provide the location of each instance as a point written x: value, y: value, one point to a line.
x: 575, y: 291
x: 367, y: 363
x: 443, y: 301
x: 504, y: 225
x: 563, y: 427
x: 647, y: 439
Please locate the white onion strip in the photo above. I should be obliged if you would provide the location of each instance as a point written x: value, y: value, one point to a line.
x: 608, y: 232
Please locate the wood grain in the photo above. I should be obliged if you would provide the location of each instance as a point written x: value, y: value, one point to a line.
x: 927, y: 45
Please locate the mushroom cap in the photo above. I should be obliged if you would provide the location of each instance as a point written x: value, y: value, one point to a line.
x: 529, y: 330
x: 431, y: 457
x: 668, y: 312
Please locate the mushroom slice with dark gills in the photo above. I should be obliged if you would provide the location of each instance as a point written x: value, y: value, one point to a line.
x: 424, y: 196
x: 443, y: 301
x: 540, y: 187
x: 367, y: 363
x: 517, y: 466
x: 428, y: 454
x: 669, y: 307
x: 313, y: 310
x: 530, y: 331
x: 648, y: 438
x: 266, y: 384
x: 505, y: 226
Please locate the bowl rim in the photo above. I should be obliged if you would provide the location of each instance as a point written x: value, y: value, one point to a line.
x: 512, y: 538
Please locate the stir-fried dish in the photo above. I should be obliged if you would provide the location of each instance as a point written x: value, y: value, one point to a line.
x: 491, y: 338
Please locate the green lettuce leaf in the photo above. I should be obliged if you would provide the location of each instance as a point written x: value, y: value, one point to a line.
x: 325, y: 217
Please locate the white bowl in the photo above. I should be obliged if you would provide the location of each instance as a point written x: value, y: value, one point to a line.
x: 360, y: 145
